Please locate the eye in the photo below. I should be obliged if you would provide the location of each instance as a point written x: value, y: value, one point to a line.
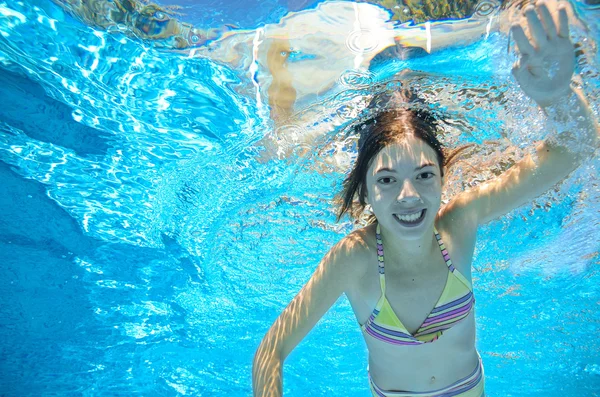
x: 161, y: 16
x: 485, y: 8
x: 386, y: 180
x: 426, y: 175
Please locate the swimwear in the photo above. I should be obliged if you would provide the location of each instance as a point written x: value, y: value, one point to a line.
x: 454, y: 305
x: 472, y: 385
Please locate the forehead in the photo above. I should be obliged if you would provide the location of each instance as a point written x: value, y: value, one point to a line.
x: 409, y: 153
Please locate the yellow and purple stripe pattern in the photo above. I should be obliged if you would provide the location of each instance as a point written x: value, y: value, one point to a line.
x: 455, y: 304
x: 472, y: 385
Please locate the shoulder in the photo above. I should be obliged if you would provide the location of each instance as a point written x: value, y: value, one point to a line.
x: 352, y: 253
x: 457, y: 218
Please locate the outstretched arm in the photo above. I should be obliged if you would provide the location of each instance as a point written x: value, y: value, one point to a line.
x: 337, y: 271
x: 544, y: 73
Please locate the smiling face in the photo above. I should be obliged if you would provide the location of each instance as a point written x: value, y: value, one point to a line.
x: 404, y: 187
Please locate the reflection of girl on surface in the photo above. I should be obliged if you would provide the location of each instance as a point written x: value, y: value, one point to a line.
x: 407, y: 274
x: 305, y: 54
x: 299, y: 59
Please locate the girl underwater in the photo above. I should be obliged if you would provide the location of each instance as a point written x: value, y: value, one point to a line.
x: 407, y: 274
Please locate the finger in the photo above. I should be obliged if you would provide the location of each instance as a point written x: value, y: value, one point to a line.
x: 536, y: 29
x: 547, y: 20
x: 563, y: 22
x: 521, y: 40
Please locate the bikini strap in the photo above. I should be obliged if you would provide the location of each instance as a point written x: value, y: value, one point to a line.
x: 451, y: 267
x: 380, y: 259
x: 444, y: 250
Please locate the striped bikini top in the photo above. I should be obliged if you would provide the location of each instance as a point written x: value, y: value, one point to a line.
x: 454, y: 305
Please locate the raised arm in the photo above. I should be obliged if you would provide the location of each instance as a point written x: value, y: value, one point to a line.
x: 544, y: 73
x: 338, y: 270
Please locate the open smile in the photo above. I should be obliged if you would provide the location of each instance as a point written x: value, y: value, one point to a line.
x: 411, y: 220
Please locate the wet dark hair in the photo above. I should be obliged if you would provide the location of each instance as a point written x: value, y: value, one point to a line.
x: 383, y: 129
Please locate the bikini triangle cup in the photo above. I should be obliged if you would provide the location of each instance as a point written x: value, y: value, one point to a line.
x: 454, y: 305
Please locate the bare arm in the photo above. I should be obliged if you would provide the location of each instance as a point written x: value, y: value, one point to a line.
x: 529, y: 178
x: 339, y: 269
x: 568, y: 110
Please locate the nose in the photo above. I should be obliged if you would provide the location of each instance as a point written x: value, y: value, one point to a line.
x: 408, y: 193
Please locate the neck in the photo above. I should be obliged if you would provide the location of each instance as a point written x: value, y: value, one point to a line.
x: 410, y: 256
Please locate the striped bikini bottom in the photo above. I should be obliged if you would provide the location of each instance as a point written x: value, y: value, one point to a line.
x: 470, y: 386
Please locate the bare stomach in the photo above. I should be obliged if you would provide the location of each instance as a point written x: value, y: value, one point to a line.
x: 425, y: 367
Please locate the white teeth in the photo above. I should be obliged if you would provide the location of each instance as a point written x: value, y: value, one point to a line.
x: 410, y: 218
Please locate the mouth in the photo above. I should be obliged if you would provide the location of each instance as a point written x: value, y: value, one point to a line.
x: 411, y: 220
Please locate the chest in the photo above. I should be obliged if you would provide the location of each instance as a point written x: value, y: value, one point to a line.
x: 412, y: 297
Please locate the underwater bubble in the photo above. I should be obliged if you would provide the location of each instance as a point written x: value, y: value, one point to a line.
x: 346, y: 112
x: 289, y: 132
x: 593, y: 369
x: 362, y: 41
x: 352, y: 108
x: 355, y: 78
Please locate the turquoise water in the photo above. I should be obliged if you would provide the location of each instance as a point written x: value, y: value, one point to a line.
x: 145, y: 249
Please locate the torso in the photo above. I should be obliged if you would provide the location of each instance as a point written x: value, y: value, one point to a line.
x: 426, y: 366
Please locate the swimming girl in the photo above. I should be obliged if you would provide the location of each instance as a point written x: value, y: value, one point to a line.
x: 407, y: 274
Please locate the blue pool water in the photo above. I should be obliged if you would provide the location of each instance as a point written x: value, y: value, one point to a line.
x: 146, y: 246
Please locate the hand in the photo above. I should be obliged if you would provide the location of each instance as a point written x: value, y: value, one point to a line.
x: 547, y: 59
